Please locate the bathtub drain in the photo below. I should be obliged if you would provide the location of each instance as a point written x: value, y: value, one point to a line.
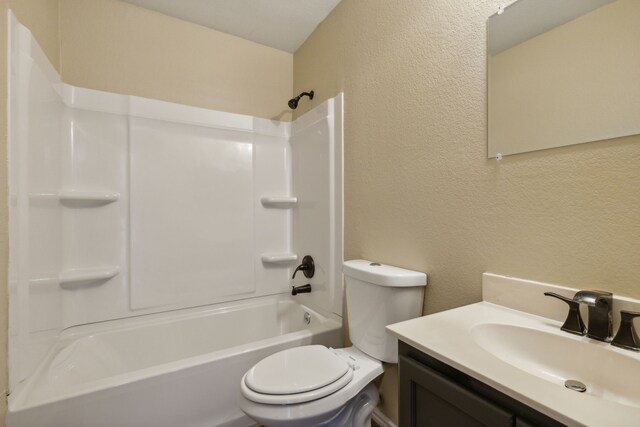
x: 307, y: 317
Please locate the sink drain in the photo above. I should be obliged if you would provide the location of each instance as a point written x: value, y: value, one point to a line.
x: 575, y: 386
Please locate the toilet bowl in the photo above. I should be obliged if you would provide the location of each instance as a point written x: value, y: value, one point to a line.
x: 318, y: 386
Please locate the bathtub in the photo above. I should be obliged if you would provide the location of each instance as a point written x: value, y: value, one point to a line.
x: 176, y: 369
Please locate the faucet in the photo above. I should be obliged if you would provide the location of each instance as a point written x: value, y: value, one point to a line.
x: 304, y: 289
x: 307, y: 267
x: 599, y: 303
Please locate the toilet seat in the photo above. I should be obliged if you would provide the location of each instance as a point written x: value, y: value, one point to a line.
x: 321, y: 409
x: 290, y: 399
x: 297, y: 375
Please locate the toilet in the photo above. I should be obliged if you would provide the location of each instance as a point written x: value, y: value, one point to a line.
x: 318, y: 386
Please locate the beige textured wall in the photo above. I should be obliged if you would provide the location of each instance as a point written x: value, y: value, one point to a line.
x: 117, y: 47
x: 41, y: 17
x: 419, y: 190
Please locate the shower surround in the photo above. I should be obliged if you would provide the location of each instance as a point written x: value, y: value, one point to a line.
x: 122, y: 206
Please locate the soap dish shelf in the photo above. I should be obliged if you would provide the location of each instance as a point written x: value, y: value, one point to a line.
x: 278, y: 202
x: 279, y: 258
x: 77, y: 198
x: 76, y: 277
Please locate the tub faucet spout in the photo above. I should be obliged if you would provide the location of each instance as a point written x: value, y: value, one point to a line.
x: 304, y: 289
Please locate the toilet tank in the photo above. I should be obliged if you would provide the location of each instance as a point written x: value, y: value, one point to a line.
x: 379, y: 295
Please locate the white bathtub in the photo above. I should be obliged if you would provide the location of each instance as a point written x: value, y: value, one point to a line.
x: 176, y: 369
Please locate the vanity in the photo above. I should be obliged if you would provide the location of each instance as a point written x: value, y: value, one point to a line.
x: 433, y: 393
x: 506, y: 362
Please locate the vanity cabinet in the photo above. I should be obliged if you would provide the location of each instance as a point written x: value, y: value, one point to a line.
x: 433, y: 394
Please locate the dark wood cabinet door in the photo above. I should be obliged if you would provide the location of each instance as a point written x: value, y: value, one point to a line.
x: 429, y: 399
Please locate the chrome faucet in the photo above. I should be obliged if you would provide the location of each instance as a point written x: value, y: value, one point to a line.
x: 599, y: 323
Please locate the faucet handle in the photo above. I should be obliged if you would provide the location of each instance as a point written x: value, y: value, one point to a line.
x: 627, y: 337
x: 307, y: 267
x: 574, y: 323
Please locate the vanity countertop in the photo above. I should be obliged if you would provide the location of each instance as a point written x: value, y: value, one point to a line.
x: 528, y: 357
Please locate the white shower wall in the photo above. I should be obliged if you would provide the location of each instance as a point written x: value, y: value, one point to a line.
x: 317, y: 219
x: 122, y: 206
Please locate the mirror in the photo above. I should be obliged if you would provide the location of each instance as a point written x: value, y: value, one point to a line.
x: 562, y: 73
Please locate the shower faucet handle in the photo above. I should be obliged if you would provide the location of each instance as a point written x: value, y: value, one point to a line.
x: 573, y: 324
x: 307, y: 267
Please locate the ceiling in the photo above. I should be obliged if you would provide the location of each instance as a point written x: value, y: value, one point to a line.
x: 282, y: 24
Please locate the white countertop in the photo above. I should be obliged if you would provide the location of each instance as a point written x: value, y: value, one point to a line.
x: 447, y: 336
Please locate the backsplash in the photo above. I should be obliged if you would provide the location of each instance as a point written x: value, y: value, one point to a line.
x: 528, y: 296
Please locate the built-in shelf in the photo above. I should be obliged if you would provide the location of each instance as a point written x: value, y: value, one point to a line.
x: 278, y: 202
x: 79, y: 198
x: 83, y: 277
x: 76, y: 197
x: 279, y: 258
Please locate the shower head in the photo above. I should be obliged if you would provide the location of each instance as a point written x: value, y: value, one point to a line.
x: 293, y: 102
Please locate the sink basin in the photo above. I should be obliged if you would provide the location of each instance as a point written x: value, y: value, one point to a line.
x: 607, y: 373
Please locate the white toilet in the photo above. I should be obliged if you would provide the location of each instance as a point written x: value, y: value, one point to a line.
x: 318, y: 386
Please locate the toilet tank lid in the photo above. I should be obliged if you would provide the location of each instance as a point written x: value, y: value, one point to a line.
x: 383, y: 275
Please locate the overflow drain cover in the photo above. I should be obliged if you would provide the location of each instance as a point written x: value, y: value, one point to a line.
x: 575, y: 386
